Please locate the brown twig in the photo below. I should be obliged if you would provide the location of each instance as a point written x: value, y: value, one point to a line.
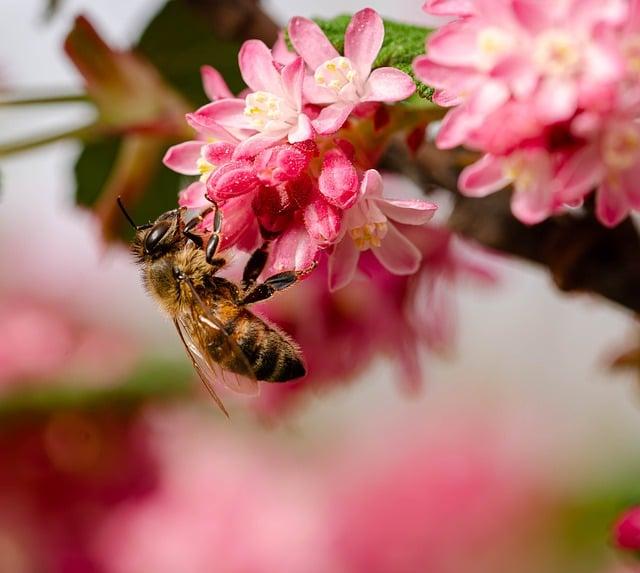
x: 580, y: 253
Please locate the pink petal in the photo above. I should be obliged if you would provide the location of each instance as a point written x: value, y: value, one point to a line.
x: 183, y: 157
x: 232, y: 180
x: 448, y: 7
x: 454, y: 44
x: 444, y: 98
x: 292, y: 77
x: 193, y: 196
x: 630, y: 185
x: 454, y: 79
x: 462, y: 121
x: 332, y: 117
x: 293, y: 250
x: 454, y: 128
x: 257, y: 143
x: 556, y: 100
x: 310, y: 42
x: 588, y: 13
x: 516, y: 71
x: 533, y: 15
x: 338, y: 180
x: 533, y: 203
x: 397, y: 253
x: 409, y: 212
x: 580, y: 174
x: 388, y: 84
x: 343, y: 263
x: 372, y: 184
x: 482, y: 178
x: 224, y: 112
x: 313, y: 93
x: 218, y: 153
x: 612, y: 206
x: 303, y: 131
x: 322, y: 221
x: 214, y: 85
x: 239, y: 227
x: 363, y: 40
x: 280, y: 52
x: 257, y: 67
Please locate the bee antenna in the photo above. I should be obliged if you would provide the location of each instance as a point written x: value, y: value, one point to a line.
x: 128, y: 217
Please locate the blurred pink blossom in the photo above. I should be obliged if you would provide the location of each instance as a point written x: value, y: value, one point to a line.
x: 379, y: 313
x: 395, y: 497
x: 627, y: 529
x: 549, y: 91
x: 63, y: 473
x: 40, y: 343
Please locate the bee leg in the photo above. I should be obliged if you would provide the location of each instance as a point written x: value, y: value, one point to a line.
x: 255, y: 265
x: 214, y: 240
x: 273, y: 284
x: 190, y: 227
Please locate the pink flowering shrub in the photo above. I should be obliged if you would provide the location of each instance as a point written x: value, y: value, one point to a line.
x: 292, y: 159
x: 548, y: 91
x: 400, y: 496
x: 378, y: 313
x: 39, y: 342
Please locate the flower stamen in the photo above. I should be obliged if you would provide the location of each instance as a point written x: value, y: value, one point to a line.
x: 335, y: 74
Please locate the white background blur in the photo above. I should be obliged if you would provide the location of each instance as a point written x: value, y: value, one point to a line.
x: 523, y: 346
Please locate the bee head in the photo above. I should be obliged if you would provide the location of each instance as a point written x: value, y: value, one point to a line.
x: 158, y: 238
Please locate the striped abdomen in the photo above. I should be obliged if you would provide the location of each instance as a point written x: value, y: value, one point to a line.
x: 272, y: 356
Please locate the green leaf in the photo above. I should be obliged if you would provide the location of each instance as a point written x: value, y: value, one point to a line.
x: 402, y: 43
x: 177, y: 42
x: 96, y: 163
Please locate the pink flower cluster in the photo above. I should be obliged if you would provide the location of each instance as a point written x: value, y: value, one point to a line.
x: 549, y: 90
x: 291, y: 159
x: 394, y: 316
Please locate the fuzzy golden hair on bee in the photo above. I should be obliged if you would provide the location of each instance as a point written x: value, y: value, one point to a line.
x: 220, y: 334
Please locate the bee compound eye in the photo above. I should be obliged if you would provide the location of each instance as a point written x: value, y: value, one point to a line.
x: 155, y: 236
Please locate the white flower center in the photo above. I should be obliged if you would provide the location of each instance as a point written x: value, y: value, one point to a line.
x: 369, y: 235
x: 335, y: 74
x: 492, y: 44
x: 268, y: 112
x: 621, y: 147
x: 520, y: 171
x: 205, y: 168
x: 557, y: 53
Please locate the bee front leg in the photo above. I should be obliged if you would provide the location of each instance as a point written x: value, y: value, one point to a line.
x: 273, y: 284
x: 255, y: 265
x: 190, y: 227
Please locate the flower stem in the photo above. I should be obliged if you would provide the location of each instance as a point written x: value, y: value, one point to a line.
x: 35, y: 99
x: 83, y: 132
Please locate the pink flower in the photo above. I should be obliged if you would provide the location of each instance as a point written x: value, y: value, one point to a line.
x: 343, y: 82
x: 271, y: 112
x: 530, y: 171
x: 215, y: 146
x: 367, y: 225
x: 610, y: 162
x: 553, y: 55
x: 627, y: 529
x: 548, y: 91
x: 377, y: 314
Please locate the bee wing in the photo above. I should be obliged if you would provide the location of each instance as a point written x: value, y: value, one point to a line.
x: 198, y: 328
x: 199, y: 363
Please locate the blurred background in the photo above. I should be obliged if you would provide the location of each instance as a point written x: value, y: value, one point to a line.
x: 511, y: 445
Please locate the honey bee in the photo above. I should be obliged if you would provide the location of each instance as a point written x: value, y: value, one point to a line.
x: 226, y: 342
